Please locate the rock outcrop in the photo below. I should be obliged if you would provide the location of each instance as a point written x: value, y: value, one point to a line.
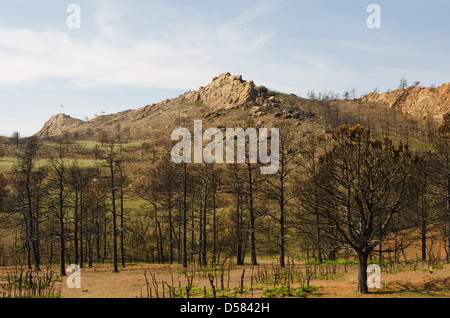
x: 58, y: 125
x: 229, y: 99
x: 227, y: 91
x: 223, y: 94
x: 419, y: 102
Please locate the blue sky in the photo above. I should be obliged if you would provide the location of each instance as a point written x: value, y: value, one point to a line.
x: 128, y: 54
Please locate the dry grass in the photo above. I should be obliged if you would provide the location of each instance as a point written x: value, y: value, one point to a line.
x: 164, y: 281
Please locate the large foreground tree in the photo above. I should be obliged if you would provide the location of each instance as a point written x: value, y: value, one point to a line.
x: 363, y: 184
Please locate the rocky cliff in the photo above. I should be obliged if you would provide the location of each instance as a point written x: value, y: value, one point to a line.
x: 58, y: 125
x: 419, y: 102
x: 229, y: 100
x: 227, y: 91
x: 224, y: 101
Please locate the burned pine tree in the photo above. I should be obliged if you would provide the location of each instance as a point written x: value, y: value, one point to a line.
x: 364, y: 182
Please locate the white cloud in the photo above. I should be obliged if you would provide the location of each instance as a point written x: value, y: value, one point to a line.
x: 111, y: 57
x: 27, y: 55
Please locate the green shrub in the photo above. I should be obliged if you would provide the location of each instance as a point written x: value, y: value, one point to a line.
x: 282, y: 292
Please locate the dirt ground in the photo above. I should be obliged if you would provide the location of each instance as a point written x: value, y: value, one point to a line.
x: 100, y: 282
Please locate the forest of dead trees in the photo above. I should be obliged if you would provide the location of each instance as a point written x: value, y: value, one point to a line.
x: 353, y: 194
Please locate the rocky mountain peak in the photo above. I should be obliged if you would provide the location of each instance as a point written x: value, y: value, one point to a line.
x: 58, y: 125
x: 430, y: 102
x: 227, y: 91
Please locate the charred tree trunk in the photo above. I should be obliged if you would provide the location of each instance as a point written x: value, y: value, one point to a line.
x: 362, y: 273
x: 238, y: 235
x: 184, y: 239
x: 282, y: 225
x: 424, y: 240
x: 81, y: 231
x: 170, y: 229
x: 75, y: 230
x: 122, y: 226
x: 30, y: 227
x: 114, y: 221
x: 214, y: 256
x: 251, y: 211
x: 203, y: 228
x: 62, y: 263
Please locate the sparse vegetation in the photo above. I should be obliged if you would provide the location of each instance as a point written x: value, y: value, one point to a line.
x: 20, y: 283
x: 116, y: 198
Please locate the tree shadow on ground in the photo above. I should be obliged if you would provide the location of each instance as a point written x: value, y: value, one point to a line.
x: 430, y: 287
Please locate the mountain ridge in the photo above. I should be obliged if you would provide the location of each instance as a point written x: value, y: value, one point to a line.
x: 224, y: 95
x: 229, y: 99
x: 421, y: 103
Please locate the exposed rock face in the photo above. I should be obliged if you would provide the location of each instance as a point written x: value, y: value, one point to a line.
x: 418, y: 102
x: 58, y: 125
x: 228, y: 99
x: 227, y: 91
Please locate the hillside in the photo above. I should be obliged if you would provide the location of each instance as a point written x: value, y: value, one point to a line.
x: 419, y: 102
x: 85, y: 188
x: 229, y: 101
x: 58, y: 125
